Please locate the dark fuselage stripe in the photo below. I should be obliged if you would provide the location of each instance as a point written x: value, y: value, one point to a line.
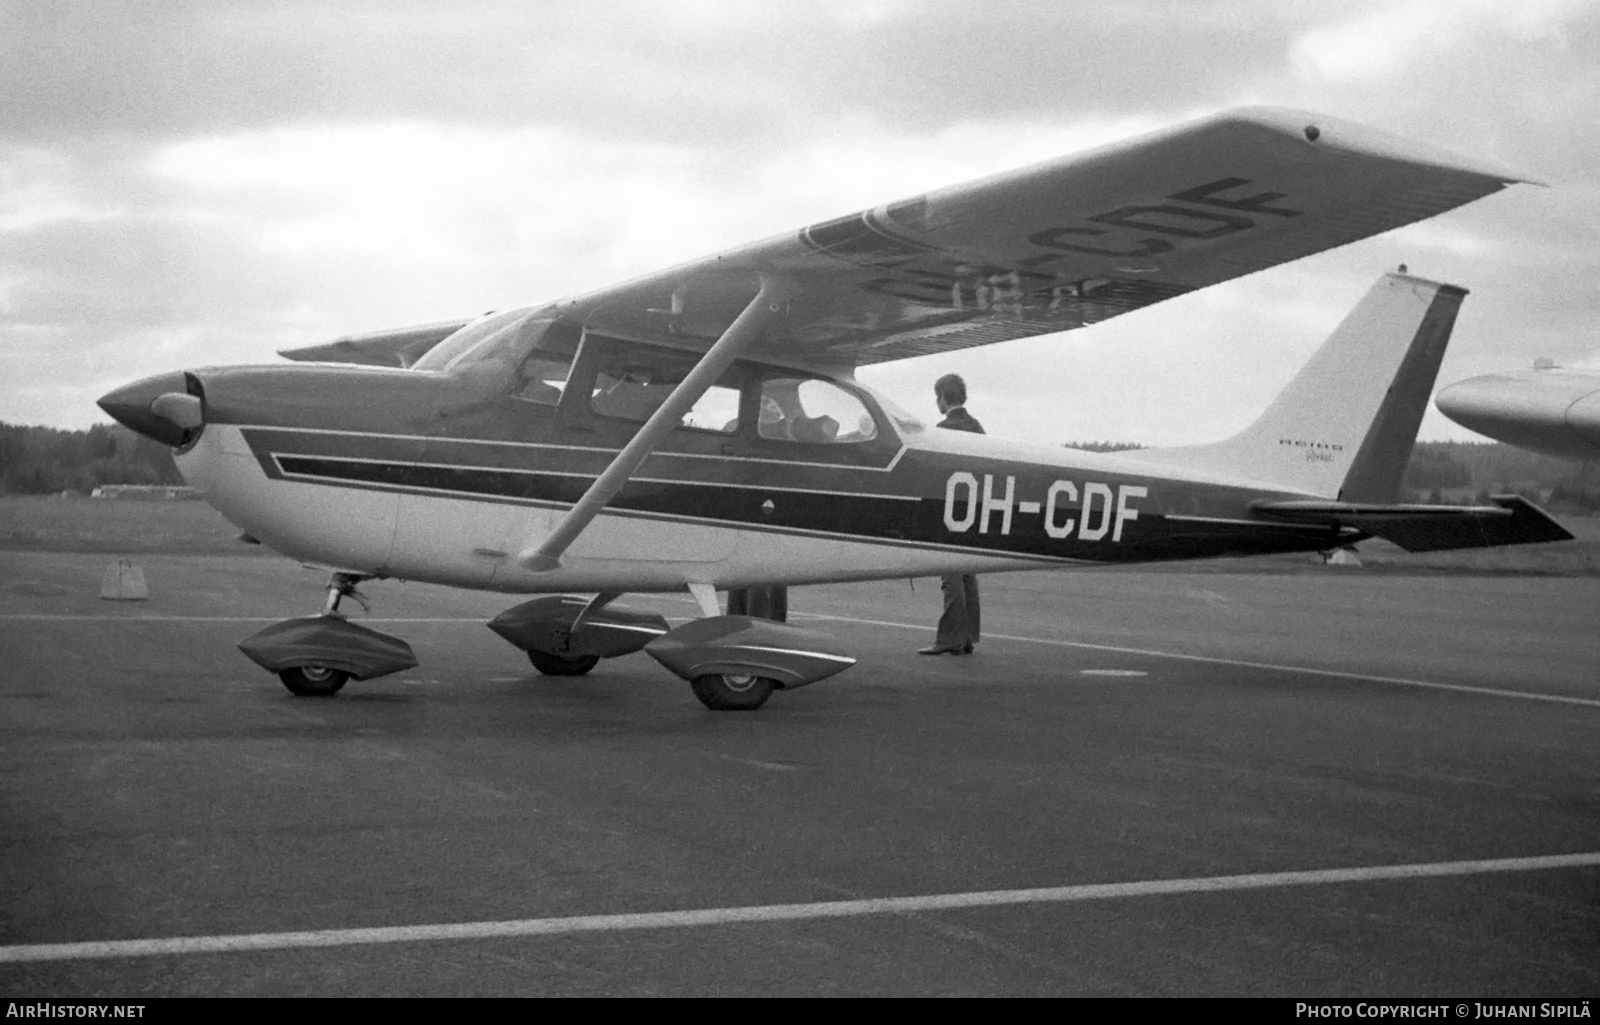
x: 902, y: 520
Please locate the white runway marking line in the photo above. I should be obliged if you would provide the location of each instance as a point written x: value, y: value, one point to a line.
x: 26, y: 617
x: 775, y: 912
x: 1459, y: 688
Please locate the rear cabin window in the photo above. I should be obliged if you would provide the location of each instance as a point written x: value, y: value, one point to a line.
x: 813, y: 411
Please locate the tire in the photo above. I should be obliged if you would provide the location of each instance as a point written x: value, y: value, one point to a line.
x: 559, y: 665
x: 730, y: 692
x: 313, y: 681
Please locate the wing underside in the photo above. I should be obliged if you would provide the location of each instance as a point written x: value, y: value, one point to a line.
x: 400, y: 347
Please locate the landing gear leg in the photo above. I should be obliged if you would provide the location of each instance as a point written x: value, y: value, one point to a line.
x: 342, y: 586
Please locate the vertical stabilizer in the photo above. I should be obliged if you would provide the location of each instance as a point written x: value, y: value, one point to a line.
x: 1344, y: 426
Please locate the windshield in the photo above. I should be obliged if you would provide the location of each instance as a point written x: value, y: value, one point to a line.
x: 469, y: 341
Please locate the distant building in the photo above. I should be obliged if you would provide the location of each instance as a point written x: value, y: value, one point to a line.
x: 147, y: 492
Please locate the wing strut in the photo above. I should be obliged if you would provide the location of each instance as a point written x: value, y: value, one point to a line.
x: 744, y: 329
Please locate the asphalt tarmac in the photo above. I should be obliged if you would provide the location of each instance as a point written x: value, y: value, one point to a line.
x: 1334, y: 782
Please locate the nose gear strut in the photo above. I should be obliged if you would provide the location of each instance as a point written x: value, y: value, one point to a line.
x: 341, y: 586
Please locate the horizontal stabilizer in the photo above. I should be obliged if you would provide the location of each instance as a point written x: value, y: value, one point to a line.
x: 1512, y: 520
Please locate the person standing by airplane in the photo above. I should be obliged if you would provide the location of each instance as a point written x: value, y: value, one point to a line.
x: 958, y: 626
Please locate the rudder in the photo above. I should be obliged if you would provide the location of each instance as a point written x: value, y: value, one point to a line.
x: 1380, y: 462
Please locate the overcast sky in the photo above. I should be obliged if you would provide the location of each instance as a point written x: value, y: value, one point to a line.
x: 189, y: 184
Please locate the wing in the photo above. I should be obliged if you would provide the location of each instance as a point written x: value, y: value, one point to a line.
x: 1057, y: 245
x: 399, y: 347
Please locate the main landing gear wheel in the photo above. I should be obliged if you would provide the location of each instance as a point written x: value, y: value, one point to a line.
x: 558, y: 665
x: 732, y: 692
x: 313, y: 681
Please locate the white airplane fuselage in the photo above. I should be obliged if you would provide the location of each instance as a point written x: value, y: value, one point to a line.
x: 470, y: 540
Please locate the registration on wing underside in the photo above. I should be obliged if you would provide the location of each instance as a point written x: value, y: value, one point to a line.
x: 1132, y: 231
x: 994, y: 310
x: 953, y: 301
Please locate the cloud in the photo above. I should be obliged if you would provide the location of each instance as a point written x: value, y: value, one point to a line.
x: 1385, y: 40
x: 716, y: 73
x: 539, y: 212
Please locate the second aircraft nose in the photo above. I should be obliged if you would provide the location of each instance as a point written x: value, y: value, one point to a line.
x: 164, y: 407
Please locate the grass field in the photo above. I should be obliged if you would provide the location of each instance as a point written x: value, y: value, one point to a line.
x: 121, y: 526
x: 131, y: 527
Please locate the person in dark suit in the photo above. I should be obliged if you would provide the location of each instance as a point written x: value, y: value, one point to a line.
x: 958, y: 626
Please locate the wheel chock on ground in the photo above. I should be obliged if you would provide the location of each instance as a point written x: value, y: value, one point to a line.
x: 1341, y: 557
x: 124, y: 581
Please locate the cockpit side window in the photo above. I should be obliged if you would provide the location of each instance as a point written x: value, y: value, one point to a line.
x: 812, y: 411
x: 631, y: 383
x: 544, y: 379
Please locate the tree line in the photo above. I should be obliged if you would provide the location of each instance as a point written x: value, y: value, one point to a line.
x: 1444, y: 470
x: 45, y: 460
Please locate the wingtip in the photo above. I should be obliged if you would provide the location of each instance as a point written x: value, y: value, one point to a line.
x: 1324, y: 131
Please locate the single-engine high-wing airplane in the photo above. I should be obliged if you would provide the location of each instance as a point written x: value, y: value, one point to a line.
x: 1549, y: 409
x: 701, y: 428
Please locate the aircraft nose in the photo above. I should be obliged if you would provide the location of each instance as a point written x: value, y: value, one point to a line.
x: 164, y: 407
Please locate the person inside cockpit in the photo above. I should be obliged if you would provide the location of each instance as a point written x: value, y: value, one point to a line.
x: 773, y: 423
x: 783, y: 415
